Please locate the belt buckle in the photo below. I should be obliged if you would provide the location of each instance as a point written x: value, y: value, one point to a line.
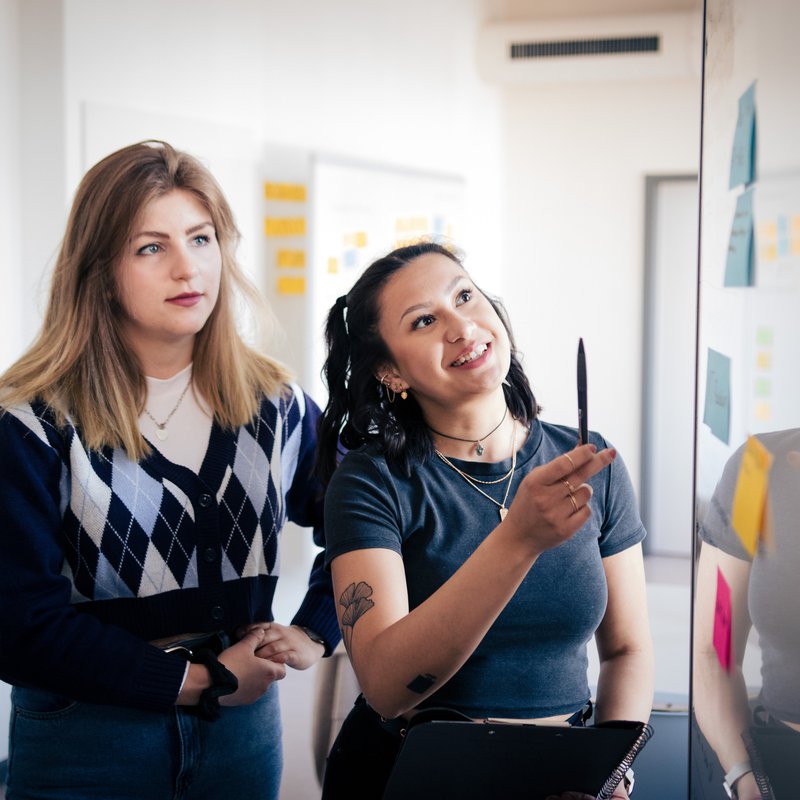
x: 180, y: 650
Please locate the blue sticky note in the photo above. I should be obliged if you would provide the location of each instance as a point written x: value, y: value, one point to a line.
x: 717, y: 413
x: 743, y: 158
x: 739, y: 263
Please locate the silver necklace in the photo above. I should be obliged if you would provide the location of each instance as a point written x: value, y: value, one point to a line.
x: 479, y: 448
x: 473, y: 482
x: 161, y: 427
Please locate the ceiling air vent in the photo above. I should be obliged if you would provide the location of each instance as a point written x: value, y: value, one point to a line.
x: 592, y: 49
x: 586, y: 47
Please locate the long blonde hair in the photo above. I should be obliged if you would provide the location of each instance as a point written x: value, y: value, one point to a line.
x: 80, y: 365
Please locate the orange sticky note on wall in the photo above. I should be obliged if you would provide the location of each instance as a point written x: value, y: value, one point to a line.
x: 750, y: 498
x: 722, y: 622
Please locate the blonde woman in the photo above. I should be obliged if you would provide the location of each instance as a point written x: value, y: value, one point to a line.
x: 148, y: 461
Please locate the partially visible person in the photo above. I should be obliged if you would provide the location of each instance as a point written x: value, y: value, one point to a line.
x: 764, y: 594
x: 475, y: 550
x: 149, y: 459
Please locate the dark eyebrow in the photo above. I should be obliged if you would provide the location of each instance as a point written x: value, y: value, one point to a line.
x: 162, y: 235
x: 419, y: 306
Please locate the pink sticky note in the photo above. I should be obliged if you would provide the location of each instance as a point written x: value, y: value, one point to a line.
x: 722, y: 622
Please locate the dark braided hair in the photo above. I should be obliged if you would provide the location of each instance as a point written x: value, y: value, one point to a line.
x: 358, y: 409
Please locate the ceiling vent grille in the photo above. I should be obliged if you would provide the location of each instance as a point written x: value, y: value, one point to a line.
x: 586, y: 47
x: 636, y: 47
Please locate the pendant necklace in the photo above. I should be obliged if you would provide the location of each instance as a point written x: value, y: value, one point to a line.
x: 161, y: 427
x: 479, y: 448
x: 473, y: 482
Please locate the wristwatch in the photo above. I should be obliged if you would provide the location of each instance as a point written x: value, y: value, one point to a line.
x: 314, y: 636
x: 733, y: 775
x: 628, y: 781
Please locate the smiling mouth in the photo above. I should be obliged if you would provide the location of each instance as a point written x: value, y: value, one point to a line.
x: 471, y: 356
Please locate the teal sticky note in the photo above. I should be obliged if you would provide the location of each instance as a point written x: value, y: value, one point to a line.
x: 743, y: 158
x: 717, y: 413
x: 739, y: 263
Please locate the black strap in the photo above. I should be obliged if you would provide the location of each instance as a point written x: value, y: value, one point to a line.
x: 223, y: 682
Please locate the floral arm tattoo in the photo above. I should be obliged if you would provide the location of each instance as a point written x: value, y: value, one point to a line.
x: 356, y: 602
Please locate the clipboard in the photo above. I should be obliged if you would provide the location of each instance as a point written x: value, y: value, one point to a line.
x: 774, y: 753
x: 476, y: 760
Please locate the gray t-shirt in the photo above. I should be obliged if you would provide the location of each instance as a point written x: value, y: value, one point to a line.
x: 773, y: 598
x: 533, y: 661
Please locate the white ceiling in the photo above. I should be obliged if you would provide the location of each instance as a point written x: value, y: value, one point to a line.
x: 508, y: 10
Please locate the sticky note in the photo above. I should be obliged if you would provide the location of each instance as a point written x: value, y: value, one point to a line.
x: 333, y: 265
x: 764, y: 336
x: 287, y: 285
x: 285, y: 226
x: 763, y: 411
x: 749, y: 500
x: 743, y: 157
x: 722, y: 623
x: 285, y: 192
x: 717, y: 412
x: 739, y: 261
x: 764, y: 360
x: 361, y: 239
x: 291, y: 259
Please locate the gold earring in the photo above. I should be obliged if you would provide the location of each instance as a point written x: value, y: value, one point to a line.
x: 404, y: 395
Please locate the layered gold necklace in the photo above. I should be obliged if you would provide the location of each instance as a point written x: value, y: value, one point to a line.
x: 473, y: 481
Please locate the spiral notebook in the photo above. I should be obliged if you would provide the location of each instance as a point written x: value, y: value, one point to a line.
x: 512, y: 760
x: 774, y: 753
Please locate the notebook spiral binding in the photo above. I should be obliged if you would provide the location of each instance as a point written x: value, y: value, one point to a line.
x: 619, y: 773
x: 759, y: 772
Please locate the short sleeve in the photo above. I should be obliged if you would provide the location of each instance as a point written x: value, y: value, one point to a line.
x: 361, y: 507
x: 621, y: 526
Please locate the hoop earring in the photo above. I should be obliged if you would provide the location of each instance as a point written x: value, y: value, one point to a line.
x: 391, y: 395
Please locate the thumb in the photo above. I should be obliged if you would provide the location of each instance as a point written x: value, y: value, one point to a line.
x: 253, y: 638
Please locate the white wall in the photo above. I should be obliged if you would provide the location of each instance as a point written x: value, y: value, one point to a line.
x: 11, y: 295
x: 576, y: 159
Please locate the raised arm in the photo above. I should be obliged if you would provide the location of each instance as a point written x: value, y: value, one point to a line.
x: 720, y: 697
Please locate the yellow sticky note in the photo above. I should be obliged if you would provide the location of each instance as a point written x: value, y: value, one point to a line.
x: 361, y: 239
x: 764, y: 360
x: 763, y: 411
x: 285, y: 226
x: 288, y: 285
x: 333, y: 265
x: 286, y: 192
x: 291, y: 259
x: 751, y: 494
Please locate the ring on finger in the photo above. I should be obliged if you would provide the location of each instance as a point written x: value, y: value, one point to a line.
x: 572, y: 500
x: 566, y: 483
x: 571, y: 462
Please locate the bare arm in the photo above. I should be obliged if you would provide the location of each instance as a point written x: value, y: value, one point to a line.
x: 401, y: 657
x: 720, y: 697
x: 625, y: 686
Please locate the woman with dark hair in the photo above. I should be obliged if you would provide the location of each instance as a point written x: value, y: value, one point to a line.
x: 149, y: 459
x: 474, y: 548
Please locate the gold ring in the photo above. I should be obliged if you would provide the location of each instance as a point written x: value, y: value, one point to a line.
x: 572, y: 500
x: 572, y: 463
x: 568, y: 485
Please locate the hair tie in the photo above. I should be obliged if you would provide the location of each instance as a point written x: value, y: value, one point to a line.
x: 341, y: 304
